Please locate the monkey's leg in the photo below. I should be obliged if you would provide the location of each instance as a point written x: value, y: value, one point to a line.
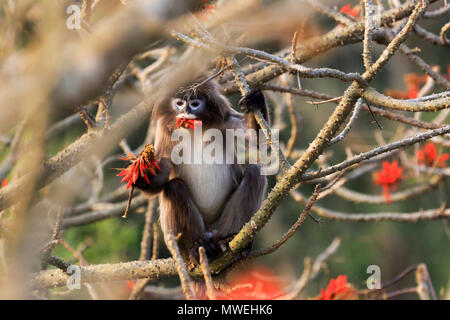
x: 244, y: 202
x: 179, y: 214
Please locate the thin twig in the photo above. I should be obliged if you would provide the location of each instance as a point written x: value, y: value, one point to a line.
x: 302, y: 217
x: 130, y: 197
x: 210, y: 291
x: 180, y: 266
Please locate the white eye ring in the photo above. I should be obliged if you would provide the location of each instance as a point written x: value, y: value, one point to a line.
x: 178, y: 103
x: 195, y: 103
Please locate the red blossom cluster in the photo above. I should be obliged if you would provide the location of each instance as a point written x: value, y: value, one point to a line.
x: 413, y: 82
x: 141, y: 165
x: 338, y: 289
x: 256, y: 284
x: 262, y: 284
x: 205, y: 8
x: 388, y: 176
x: 354, y: 12
x: 4, y: 183
x: 429, y: 156
x: 391, y: 173
x: 130, y: 285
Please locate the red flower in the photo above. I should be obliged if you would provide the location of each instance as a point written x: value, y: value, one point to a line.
x: 206, y: 6
x: 4, y: 183
x: 205, y: 9
x: 141, y: 165
x: 388, y: 176
x: 257, y: 284
x: 354, y: 12
x: 413, y: 93
x: 413, y: 84
x: 338, y: 289
x: 430, y: 157
x: 130, y: 285
x: 447, y: 76
x: 188, y: 123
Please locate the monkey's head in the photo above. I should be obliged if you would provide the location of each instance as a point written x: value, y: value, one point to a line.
x: 203, y: 103
x: 198, y: 102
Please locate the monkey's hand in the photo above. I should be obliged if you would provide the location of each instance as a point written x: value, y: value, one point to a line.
x: 252, y: 101
x: 158, y: 181
x: 224, y: 245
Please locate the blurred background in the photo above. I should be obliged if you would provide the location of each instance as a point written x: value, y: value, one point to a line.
x: 33, y: 47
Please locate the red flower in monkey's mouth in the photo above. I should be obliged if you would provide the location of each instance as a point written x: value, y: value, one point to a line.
x: 141, y: 165
x: 188, y: 123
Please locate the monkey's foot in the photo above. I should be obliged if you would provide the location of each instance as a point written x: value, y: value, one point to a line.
x: 210, y: 246
x: 224, y: 245
x: 214, y: 246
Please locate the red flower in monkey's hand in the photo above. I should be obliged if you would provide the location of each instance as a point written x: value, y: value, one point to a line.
x: 430, y: 157
x: 354, y: 12
x: 388, y: 176
x: 188, y: 123
x: 4, y: 183
x: 338, y: 289
x: 141, y: 165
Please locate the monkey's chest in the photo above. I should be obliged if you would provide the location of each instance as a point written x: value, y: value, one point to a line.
x: 210, y: 186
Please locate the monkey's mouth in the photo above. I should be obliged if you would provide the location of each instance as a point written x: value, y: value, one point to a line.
x: 192, y: 123
x: 186, y: 116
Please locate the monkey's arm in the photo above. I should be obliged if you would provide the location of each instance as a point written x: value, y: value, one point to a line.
x: 253, y: 101
x: 158, y: 181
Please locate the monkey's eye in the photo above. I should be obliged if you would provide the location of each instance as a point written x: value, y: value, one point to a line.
x: 196, y: 103
x: 178, y: 103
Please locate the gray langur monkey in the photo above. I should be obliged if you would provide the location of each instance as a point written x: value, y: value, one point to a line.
x: 207, y: 203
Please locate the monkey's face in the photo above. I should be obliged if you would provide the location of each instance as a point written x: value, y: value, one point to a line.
x: 195, y: 108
